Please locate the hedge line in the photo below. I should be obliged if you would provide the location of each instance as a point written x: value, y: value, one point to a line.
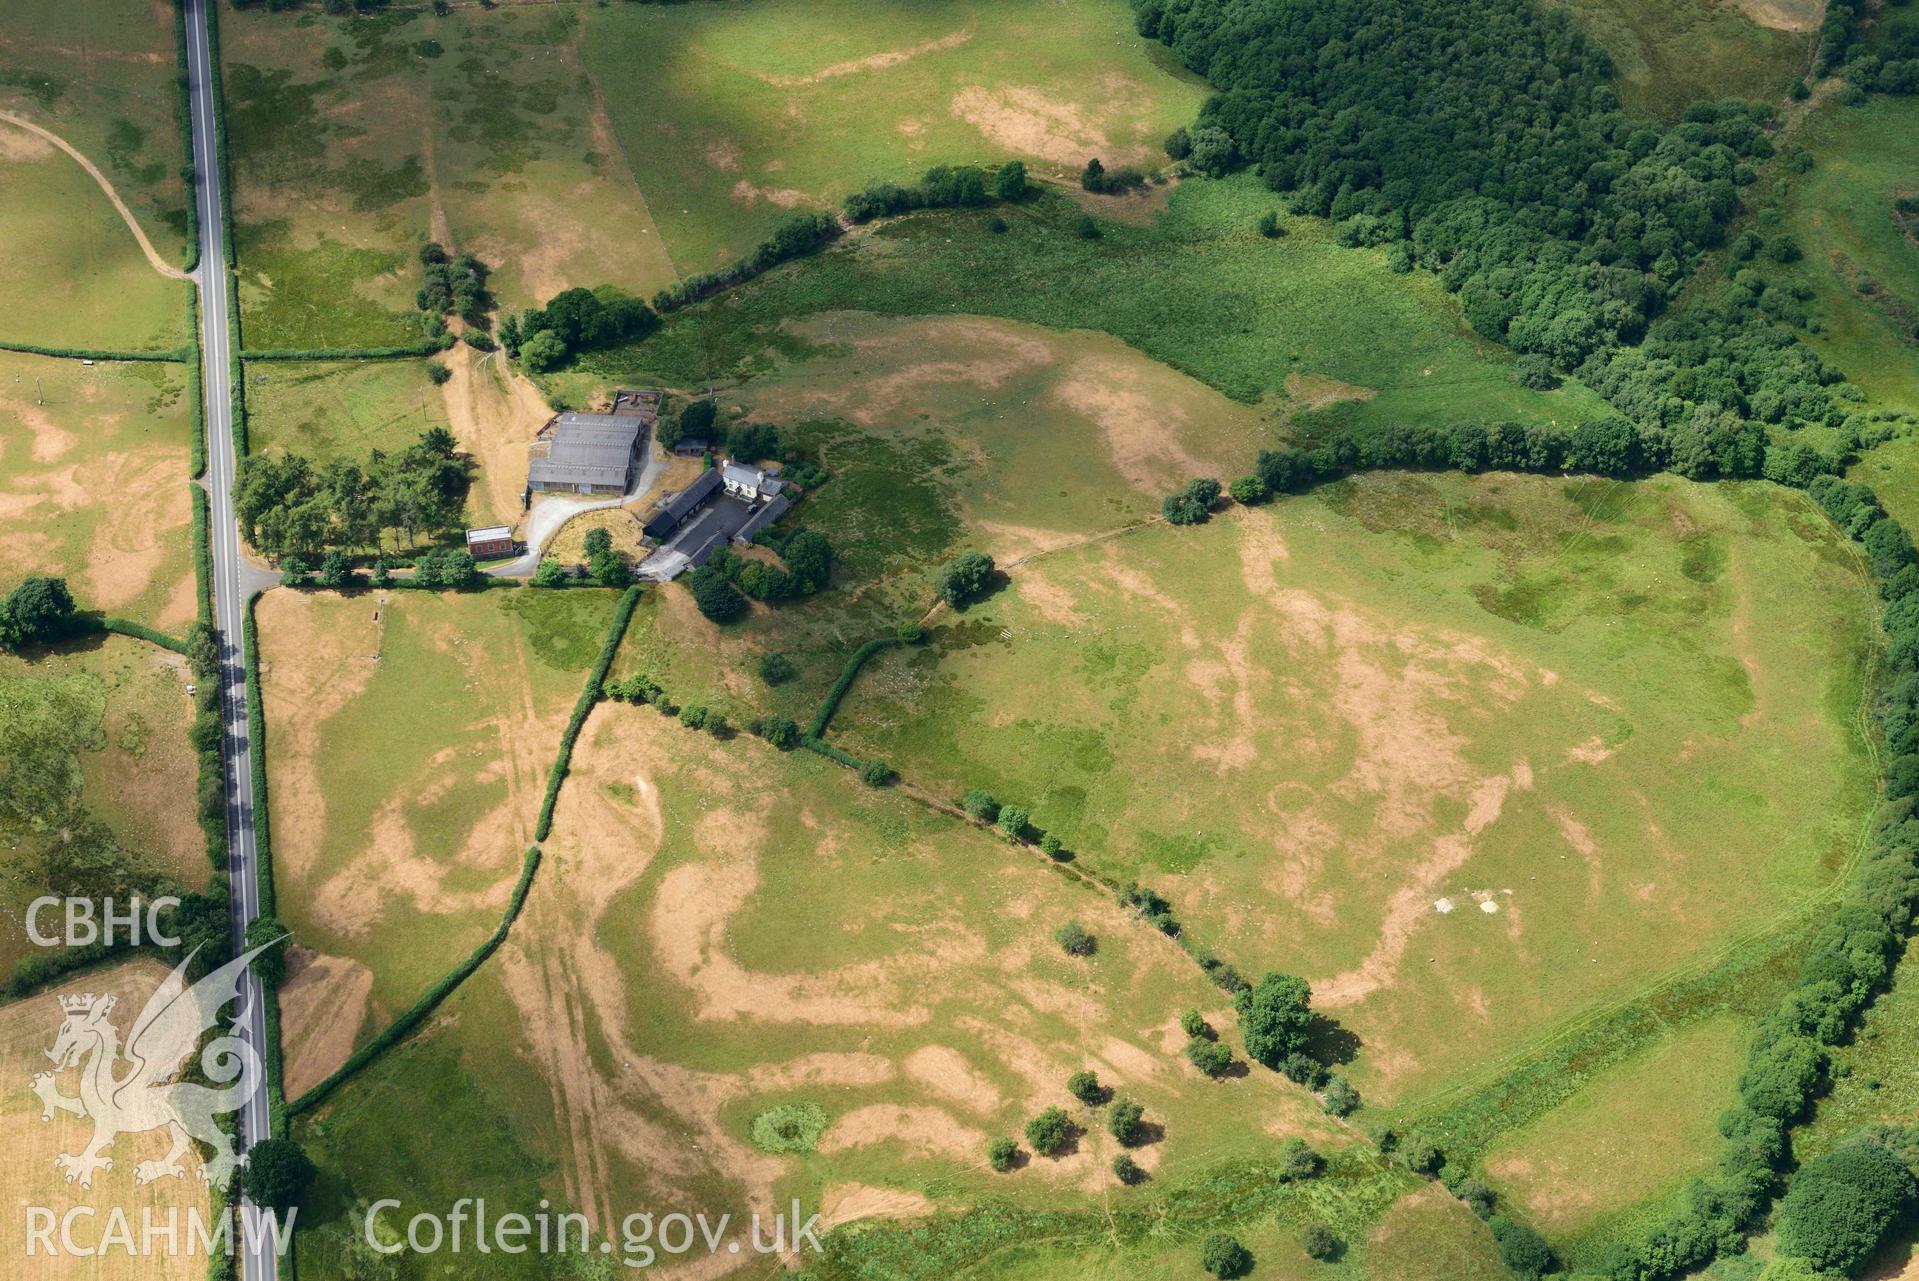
x: 236, y: 373
x: 196, y: 393
x: 183, y: 111
x: 417, y: 1013
x: 813, y: 743
x: 798, y: 236
x: 167, y: 355
x: 140, y: 631
x: 824, y: 716
x: 220, y: 135
x: 1851, y: 958
x: 263, y: 856
x: 257, y: 755
x: 428, y: 347
x: 202, y: 553
x: 595, y: 687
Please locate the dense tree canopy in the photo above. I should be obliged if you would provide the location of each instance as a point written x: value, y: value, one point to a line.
x: 1482, y: 140
x: 1840, y: 1205
x: 287, y: 506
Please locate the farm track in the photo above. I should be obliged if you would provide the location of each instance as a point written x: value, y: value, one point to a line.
x: 146, y: 246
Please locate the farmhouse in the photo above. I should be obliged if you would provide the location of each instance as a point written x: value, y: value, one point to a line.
x: 489, y: 543
x: 731, y: 502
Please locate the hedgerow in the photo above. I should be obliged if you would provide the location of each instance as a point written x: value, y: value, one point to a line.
x: 595, y: 687
x: 798, y: 235
x: 196, y: 393
x: 166, y: 355
x: 426, y: 347
x: 430, y: 1000
x: 140, y: 631
x: 183, y: 113
x: 830, y: 704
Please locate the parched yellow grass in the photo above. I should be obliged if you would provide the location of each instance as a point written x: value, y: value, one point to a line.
x: 29, y: 1178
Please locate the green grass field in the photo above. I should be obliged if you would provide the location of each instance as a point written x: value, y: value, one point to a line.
x: 1196, y: 288
x: 1668, y: 53
x: 1409, y: 689
x: 1638, y: 1131
x: 100, y: 777
x: 734, y: 115
x: 719, y: 930
x: 358, y: 138
x: 340, y: 409
x: 100, y: 74
x: 1861, y: 265
x: 93, y: 481
x: 412, y: 735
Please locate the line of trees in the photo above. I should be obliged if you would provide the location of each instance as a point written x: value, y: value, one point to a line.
x: 575, y: 320
x: 289, y: 506
x: 943, y: 187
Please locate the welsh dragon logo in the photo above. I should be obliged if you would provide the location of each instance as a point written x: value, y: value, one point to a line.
x: 132, y: 1090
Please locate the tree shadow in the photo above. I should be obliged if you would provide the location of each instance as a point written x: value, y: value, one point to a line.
x: 1330, y: 1042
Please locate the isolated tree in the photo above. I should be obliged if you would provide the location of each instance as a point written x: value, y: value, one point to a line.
x: 1085, y: 1087
x: 1274, y: 1015
x: 780, y: 732
x: 1268, y: 224
x: 717, y: 598
x: 1086, y: 228
x: 1125, y: 1121
x: 1009, y: 183
x: 809, y: 561
x: 1013, y: 821
x: 1523, y: 1251
x: 980, y: 804
x: 1297, y: 1161
x: 693, y: 716
x: 696, y: 420
x: 1074, y: 940
x: 36, y: 612
x: 877, y: 774
x: 1001, y: 1153
x: 550, y: 574
x: 1049, y: 845
x: 1093, y: 176
x: 1127, y: 1170
x: 1209, y: 1056
x: 1341, y: 1097
x: 965, y: 577
x: 1320, y: 1242
x: 776, y: 668
x: 277, y: 1174
x: 1224, y: 1257
x: 1049, y: 1131
x: 1193, y: 1023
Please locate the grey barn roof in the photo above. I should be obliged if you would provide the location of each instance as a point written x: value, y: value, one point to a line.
x: 685, y: 501
x: 761, y: 518
x: 587, y: 449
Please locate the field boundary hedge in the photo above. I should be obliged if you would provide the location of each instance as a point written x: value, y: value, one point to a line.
x: 196, y: 389
x: 831, y: 703
x: 430, y: 347
x: 263, y: 851
x: 167, y: 355
x: 183, y: 111
x: 595, y: 689
x: 430, y: 1000
x: 140, y: 631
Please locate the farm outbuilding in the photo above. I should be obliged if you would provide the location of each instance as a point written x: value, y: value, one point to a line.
x: 490, y: 543
x: 586, y: 453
